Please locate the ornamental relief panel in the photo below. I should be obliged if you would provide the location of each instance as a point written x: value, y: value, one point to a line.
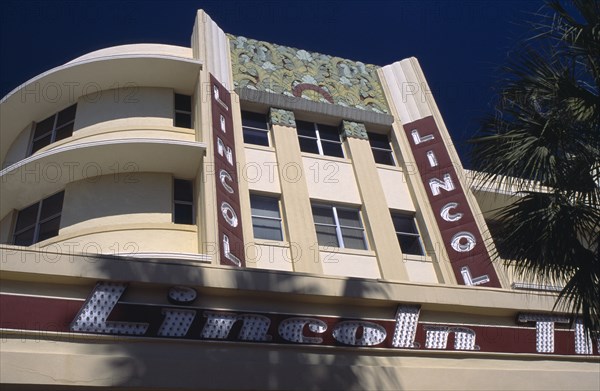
x: 317, y: 77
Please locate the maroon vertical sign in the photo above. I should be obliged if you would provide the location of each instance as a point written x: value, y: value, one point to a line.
x: 231, y: 239
x: 462, y: 239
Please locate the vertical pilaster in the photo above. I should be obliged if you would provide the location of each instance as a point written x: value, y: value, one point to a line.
x: 294, y: 193
x: 375, y: 210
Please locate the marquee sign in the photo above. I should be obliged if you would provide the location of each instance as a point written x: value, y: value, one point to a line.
x: 462, y: 239
x: 105, y: 313
x: 229, y: 223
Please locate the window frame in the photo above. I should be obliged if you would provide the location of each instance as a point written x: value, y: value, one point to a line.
x: 280, y: 218
x: 182, y: 111
x: 181, y: 202
x: 53, y: 131
x: 38, y: 222
x: 319, y: 139
x: 390, y: 151
x: 416, y: 234
x: 266, y: 130
x: 338, y: 227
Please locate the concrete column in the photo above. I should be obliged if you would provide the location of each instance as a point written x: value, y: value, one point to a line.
x: 376, y: 213
x: 297, y: 214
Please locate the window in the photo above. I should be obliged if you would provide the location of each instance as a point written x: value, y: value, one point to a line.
x: 256, y: 128
x: 54, y: 128
x: 39, y: 221
x: 183, y: 202
x: 338, y: 226
x: 382, y: 151
x: 320, y: 139
x: 408, y: 236
x: 266, y: 220
x: 183, y: 111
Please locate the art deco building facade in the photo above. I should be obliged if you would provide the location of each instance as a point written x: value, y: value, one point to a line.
x: 243, y: 215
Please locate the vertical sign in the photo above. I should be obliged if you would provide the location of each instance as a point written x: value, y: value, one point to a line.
x: 231, y: 240
x: 463, y: 241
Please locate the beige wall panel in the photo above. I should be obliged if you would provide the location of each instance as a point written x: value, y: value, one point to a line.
x: 295, y: 200
x: 269, y: 257
x: 329, y: 180
x: 6, y: 226
x: 128, y: 240
x: 126, y: 107
x: 100, y: 132
x: 395, y: 188
x: 420, y: 271
x: 336, y: 263
x: 19, y: 148
x: 260, y: 170
x: 115, y: 199
x: 199, y: 365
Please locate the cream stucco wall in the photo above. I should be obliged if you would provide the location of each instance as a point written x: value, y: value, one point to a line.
x: 395, y: 186
x: 126, y: 106
x: 117, y: 199
x: 19, y: 148
x: 260, y: 170
x: 328, y: 179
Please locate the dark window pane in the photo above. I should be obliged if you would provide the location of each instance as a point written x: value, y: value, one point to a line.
x: 404, y: 224
x: 305, y: 128
x: 383, y: 157
x: 52, y: 205
x: 308, y: 145
x: 354, y: 238
x: 264, y: 206
x: 44, y: 127
x: 67, y: 115
x: 326, y: 236
x: 41, y: 143
x: 64, y: 132
x: 332, y: 149
x: 24, y: 238
x: 27, y: 217
x: 183, y: 214
x: 183, y: 102
x: 323, y: 214
x: 327, y: 132
x: 266, y: 228
x: 49, y: 229
x: 183, y: 120
x: 379, y: 140
x: 257, y: 137
x: 410, y: 244
x: 348, y: 218
x: 184, y: 190
x: 254, y: 120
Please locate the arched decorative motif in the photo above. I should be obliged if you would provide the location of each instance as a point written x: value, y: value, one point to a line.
x: 268, y: 67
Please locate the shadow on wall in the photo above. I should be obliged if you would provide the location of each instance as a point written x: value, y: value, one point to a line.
x: 171, y: 363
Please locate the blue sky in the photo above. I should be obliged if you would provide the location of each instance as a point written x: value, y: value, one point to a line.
x: 460, y: 44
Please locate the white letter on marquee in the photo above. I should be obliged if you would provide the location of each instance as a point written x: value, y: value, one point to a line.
x: 92, y: 317
x: 222, y: 149
x: 227, y: 251
x: 372, y: 333
x: 435, y: 184
x: 544, y: 330
x: 225, y: 175
x: 445, y: 212
x: 229, y: 214
x: 218, y: 325
x: 407, y: 318
x: 292, y: 330
x: 432, y: 159
x: 417, y: 139
x: 466, y: 247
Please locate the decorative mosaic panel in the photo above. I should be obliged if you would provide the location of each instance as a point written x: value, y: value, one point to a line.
x: 317, y: 77
x: 282, y: 117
